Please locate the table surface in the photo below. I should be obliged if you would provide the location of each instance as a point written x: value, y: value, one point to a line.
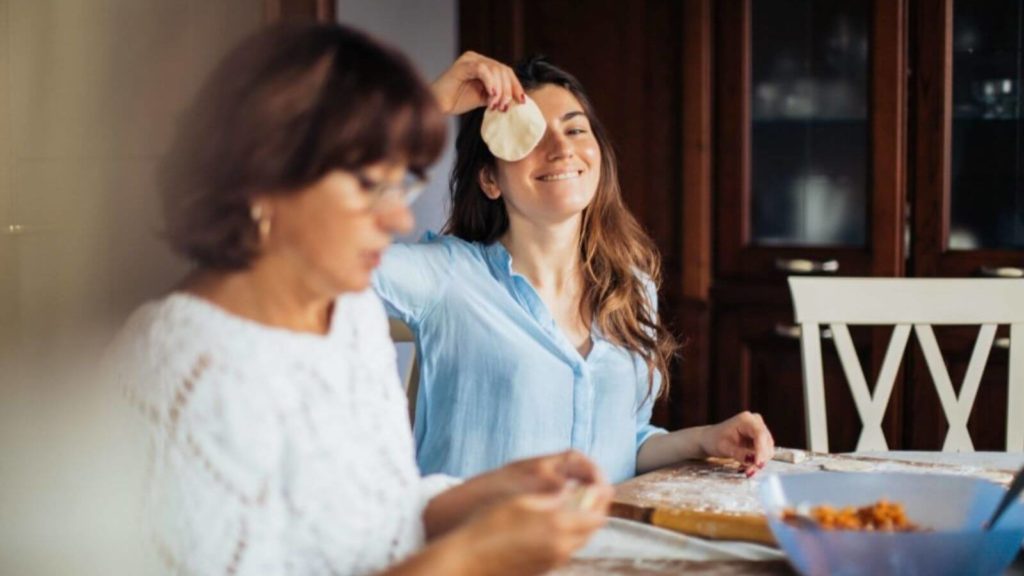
x: 630, y: 548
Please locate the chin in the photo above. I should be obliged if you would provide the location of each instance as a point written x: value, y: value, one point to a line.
x: 355, y: 282
x: 569, y: 207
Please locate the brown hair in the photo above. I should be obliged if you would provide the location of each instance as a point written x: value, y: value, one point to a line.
x: 617, y: 258
x: 285, y: 107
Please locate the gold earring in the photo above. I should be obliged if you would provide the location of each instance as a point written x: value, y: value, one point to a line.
x: 262, y: 221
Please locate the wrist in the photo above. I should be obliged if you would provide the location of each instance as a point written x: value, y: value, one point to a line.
x: 460, y: 555
x: 704, y: 441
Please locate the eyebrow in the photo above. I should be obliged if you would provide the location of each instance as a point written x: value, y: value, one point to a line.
x: 570, y: 115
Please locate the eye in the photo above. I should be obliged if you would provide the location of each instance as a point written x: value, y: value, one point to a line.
x: 367, y: 184
x: 576, y: 131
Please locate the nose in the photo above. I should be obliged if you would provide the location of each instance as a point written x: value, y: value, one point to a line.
x: 558, y: 145
x: 395, y: 218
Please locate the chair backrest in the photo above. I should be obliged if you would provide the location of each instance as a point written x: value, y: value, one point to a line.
x: 908, y: 304
x: 400, y: 333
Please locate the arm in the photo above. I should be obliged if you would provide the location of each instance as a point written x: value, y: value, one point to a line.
x: 744, y: 438
x: 412, y: 278
x: 664, y: 449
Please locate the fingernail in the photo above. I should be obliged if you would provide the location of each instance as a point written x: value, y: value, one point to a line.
x: 749, y: 459
x: 750, y: 472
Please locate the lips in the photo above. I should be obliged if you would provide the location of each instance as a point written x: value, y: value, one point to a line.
x: 560, y: 175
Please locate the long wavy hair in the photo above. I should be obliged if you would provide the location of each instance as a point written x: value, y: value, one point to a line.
x: 619, y: 262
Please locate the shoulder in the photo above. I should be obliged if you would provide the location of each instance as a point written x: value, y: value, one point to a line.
x: 201, y: 385
x: 180, y: 345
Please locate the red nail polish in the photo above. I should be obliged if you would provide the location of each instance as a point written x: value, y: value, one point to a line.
x: 749, y: 459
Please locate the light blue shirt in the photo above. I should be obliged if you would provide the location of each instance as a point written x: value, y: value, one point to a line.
x: 499, y: 380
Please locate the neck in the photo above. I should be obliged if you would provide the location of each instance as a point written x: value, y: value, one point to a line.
x: 547, y: 255
x: 265, y: 294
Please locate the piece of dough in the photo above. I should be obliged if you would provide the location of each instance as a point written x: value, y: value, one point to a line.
x: 514, y: 134
x: 848, y: 466
x: 789, y: 455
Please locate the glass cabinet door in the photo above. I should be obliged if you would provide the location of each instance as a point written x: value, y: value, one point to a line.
x: 969, y: 138
x: 810, y: 131
x: 810, y: 113
x: 987, y: 177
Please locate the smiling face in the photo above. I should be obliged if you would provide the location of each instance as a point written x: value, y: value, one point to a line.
x: 559, y: 178
x: 331, y: 235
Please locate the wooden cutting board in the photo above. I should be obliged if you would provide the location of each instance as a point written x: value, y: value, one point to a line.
x: 713, y: 499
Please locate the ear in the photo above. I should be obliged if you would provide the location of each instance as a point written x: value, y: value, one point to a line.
x: 488, y: 183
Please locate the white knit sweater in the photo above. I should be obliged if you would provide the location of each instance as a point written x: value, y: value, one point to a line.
x: 271, y: 451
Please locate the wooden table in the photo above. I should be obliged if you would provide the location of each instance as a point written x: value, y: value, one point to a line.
x: 635, y: 547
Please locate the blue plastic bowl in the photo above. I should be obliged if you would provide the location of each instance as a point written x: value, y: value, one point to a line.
x: 953, y: 508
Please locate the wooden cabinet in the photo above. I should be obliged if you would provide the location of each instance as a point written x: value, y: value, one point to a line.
x: 927, y: 183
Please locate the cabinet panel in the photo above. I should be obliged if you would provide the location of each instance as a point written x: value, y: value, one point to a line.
x: 810, y: 138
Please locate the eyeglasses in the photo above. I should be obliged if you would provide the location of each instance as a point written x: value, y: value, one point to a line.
x: 380, y: 193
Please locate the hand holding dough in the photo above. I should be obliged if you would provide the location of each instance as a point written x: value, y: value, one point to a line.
x: 512, y: 135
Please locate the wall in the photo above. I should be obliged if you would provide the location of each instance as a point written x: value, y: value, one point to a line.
x: 426, y: 31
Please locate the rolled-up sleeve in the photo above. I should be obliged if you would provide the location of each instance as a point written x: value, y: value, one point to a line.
x: 412, y: 278
x: 644, y: 429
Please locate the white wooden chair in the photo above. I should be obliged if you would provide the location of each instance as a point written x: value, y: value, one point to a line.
x: 908, y: 303
x: 401, y: 333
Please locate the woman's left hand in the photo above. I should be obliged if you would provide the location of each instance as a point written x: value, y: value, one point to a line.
x: 744, y: 438
x: 541, y: 475
x: 475, y: 80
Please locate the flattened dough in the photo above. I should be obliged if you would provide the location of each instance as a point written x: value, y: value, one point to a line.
x: 789, y: 455
x: 847, y: 466
x: 514, y: 134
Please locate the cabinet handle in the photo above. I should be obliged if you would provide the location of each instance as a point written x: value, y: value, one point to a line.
x: 804, y: 266
x: 20, y: 230
x: 792, y: 332
x: 1002, y: 343
x: 1002, y: 271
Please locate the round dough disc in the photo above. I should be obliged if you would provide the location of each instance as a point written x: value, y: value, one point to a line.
x: 514, y: 134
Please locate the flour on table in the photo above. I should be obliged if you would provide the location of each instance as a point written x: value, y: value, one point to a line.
x: 720, y: 488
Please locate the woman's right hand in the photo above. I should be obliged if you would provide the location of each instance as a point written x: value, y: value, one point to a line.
x: 529, y: 534
x: 475, y: 80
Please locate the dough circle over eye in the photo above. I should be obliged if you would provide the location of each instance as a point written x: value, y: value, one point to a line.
x: 512, y: 135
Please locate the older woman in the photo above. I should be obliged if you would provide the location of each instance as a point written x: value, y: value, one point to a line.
x: 536, y: 311
x: 277, y: 428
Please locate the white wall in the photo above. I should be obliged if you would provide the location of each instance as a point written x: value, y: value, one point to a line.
x: 89, y: 94
x: 426, y: 30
